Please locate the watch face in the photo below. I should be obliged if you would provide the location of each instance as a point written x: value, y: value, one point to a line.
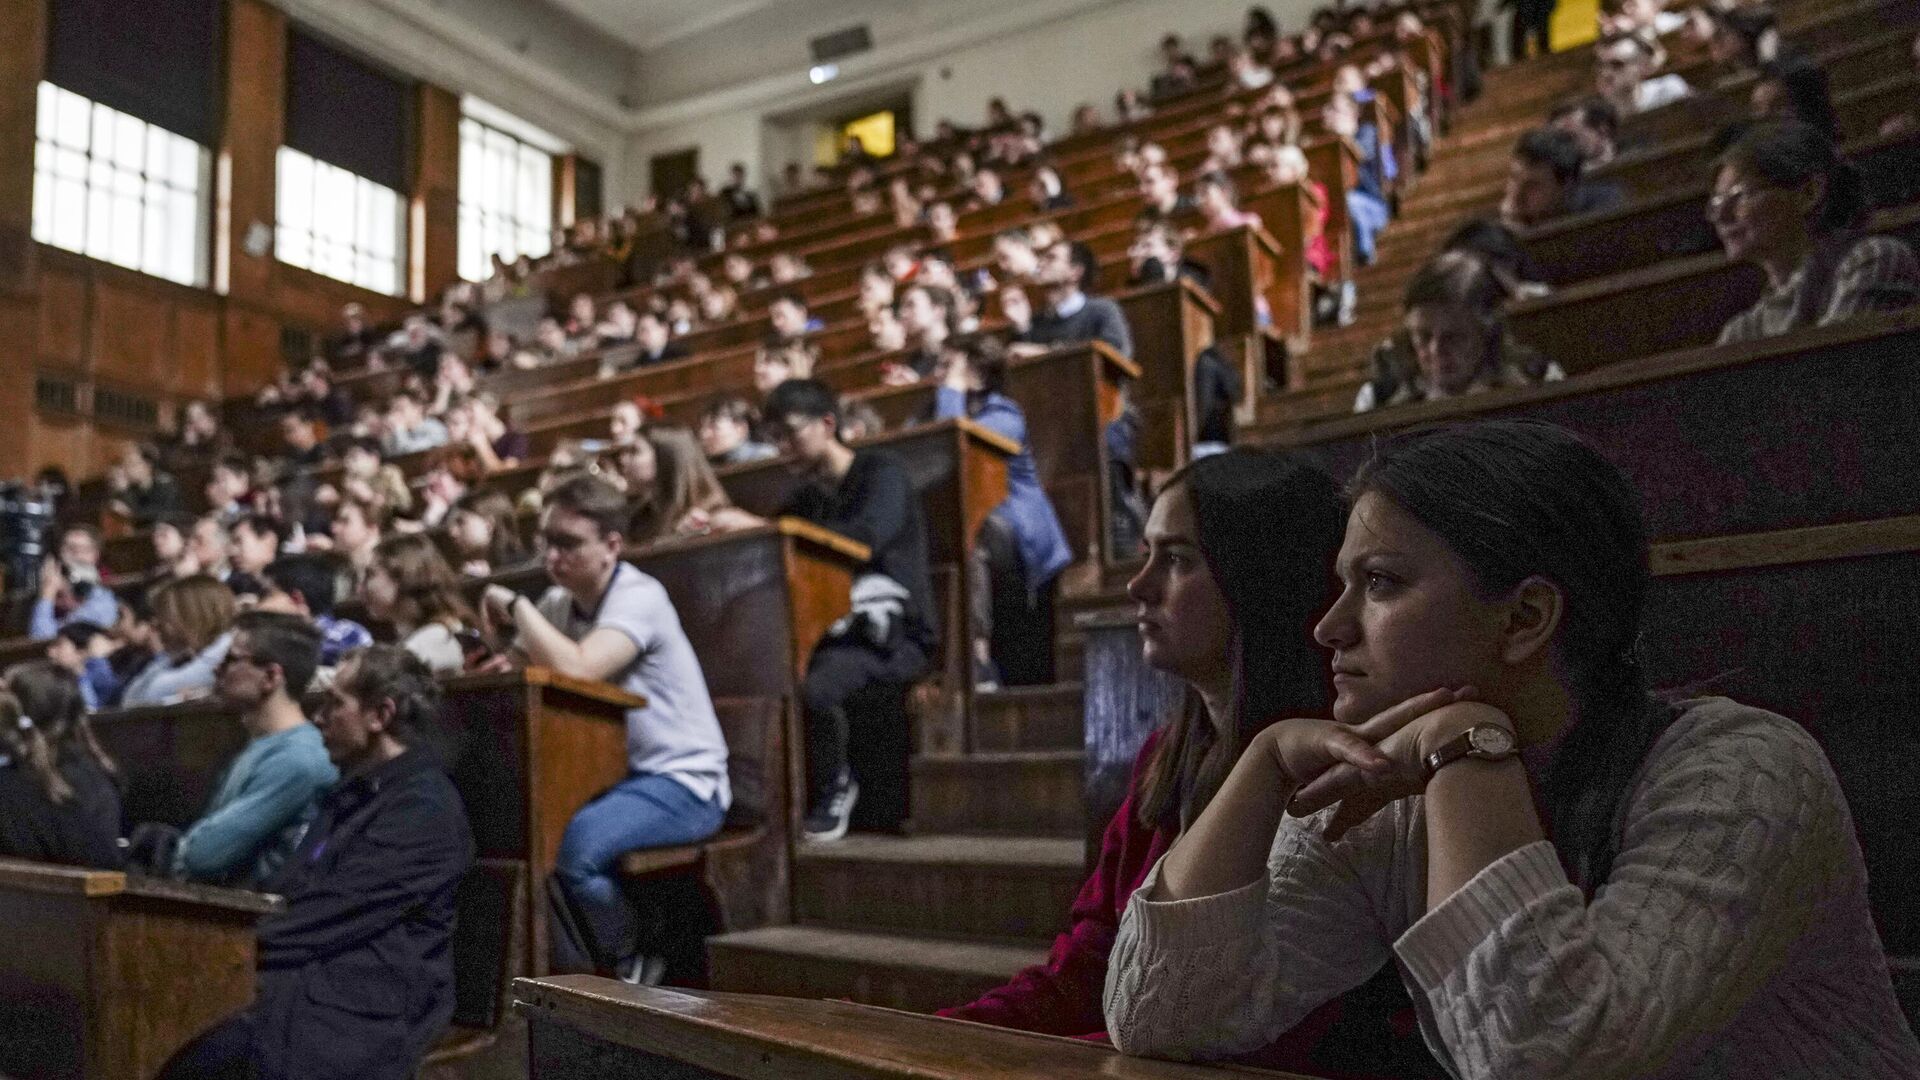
x: 1491, y: 739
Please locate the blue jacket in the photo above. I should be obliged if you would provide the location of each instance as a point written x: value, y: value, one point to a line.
x: 99, y: 608
x: 164, y: 681
x: 356, y: 976
x: 1028, y: 512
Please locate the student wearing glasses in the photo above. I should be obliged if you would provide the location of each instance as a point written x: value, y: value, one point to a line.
x: 604, y: 619
x: 1784, y: 199
x: 268, y: 796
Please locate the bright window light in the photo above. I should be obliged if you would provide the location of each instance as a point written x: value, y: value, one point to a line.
x: 332, y: 222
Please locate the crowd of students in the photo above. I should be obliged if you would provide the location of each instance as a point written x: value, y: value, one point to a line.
x: 1415, y: 726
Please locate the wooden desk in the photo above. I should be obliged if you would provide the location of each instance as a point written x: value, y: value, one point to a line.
x: 105, y: 975
x: 1171, y: 324
x: 584, y: 1027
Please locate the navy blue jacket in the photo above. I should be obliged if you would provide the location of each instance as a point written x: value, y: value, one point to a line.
x: 356, y: 976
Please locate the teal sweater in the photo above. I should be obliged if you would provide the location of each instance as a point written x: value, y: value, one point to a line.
x: 264, y: 802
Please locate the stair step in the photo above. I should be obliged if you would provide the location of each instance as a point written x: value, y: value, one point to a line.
x: 1027, y: 718
x: 1014, y: 890
x: 1026, y: 793
x: 896, y: 971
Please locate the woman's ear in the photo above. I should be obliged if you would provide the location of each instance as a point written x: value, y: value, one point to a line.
x: 1534, y: 611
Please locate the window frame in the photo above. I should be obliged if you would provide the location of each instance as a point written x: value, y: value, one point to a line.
x: 307, y: 234
x: 148, y: 209
x: 486, y: 227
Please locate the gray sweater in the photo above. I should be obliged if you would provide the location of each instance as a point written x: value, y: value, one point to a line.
x: 1732, y: 939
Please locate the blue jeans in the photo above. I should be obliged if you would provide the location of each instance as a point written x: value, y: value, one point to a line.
x: 645, y: 810
x: 1369, y: 215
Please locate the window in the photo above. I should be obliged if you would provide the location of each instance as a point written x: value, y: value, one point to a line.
x: 506, y: 198
x: 119, y: 189
x: 333, y: 222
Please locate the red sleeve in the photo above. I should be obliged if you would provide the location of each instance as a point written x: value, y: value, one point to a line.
x: 1062, y: 995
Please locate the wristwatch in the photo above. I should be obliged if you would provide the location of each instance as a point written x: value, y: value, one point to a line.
x: 1486, y: 742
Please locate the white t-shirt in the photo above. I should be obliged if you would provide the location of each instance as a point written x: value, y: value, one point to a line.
x: 677, y: 733
x: 436, y: 647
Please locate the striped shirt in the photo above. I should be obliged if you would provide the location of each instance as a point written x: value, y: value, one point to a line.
x: 1877, y: 273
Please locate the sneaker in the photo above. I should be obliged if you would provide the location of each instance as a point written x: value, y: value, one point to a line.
x: 642, y: 969
x: 828, y: 818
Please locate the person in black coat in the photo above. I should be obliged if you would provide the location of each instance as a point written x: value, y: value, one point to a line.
x: 356, y: 975
x: 58, y: 800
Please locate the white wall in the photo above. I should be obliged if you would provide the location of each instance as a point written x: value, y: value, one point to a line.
x: 1044, y: 55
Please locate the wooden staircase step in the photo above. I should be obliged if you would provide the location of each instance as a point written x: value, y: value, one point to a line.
x: 899, y: 972
x: 1025, y: 793
x: 1008, y: 889
x: 1027, y: 718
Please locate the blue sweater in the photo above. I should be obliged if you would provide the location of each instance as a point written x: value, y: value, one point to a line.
x: 260, y: 810
x: 1044, y: 551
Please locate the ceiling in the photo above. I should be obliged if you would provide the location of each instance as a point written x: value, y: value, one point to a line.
x: 649, y: 24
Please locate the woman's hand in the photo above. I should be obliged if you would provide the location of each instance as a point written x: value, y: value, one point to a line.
x: 1404, y: 737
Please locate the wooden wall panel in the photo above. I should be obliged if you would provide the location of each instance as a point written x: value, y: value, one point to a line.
x: 196, y: 350
x: 20, y: 65
x: 18, y: 319
x: 63, y: 317
x: 130, y: 334
x: 251, y: 355
x: 436, y: 240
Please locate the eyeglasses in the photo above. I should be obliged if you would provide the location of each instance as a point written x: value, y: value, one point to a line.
x: 1738, y: 194
x: 235, y: 658
x: 565, y: 543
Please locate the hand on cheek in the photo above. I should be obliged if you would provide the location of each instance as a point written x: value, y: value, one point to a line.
x: 1403, y: 735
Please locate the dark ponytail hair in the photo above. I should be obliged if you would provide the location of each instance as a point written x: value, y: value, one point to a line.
x: 1269, y: 526
x: 50, y: 696
x: 1516, y: 499
x: 22, y: 741
x: 1787, y: 154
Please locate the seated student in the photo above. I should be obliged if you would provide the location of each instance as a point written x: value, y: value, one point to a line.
x: 775, y: 364
x: 927, y: 314
x: 301, y: 446
x: 618, y: 325
x: 1504, y: 254
x: 655, y: 339
x: 369, y: 479
x: 1219, y: 203
x: 789, y: 318
x: 268, y: 795
x: 192, y: 617
x: 1676, y: 883
x: 1626, y: 77
x: 1792, y: 89
x: 1743, y: 38
x: 356, y: 975
x: 256, y: 541
x: 674, y: 491
x: 1544, y: 182
x: 485, y: 533
x: 411, y: 587
x: 1067, y: 270
x: 1453, y: 339
x: 308, y: 585
x: 604, y: 619
x: 1021, y: 549
x: 1160, y: 190
x: 70, y: 586
x: 1368, y: 209
x: 141, y: 491
x: 59, y: 801
x: 866, y: 496
x: 1239, y: 546
x: 409, y: 428
x: 1158, y: 255
x: 81, y: 649
x: 210, y: 543
x: 1785, y: 199
x: 1047, y: 191
x: 1594, y: 124
x: 726, y: 433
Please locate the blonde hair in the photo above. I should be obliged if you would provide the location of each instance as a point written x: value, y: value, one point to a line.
x: 198, y: 606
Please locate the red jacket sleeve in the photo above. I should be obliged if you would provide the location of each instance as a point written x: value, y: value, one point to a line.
x: 1062, y: 995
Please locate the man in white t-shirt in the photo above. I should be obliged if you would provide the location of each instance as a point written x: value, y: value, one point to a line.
x: 604, y: 619
x: 1626, y: 75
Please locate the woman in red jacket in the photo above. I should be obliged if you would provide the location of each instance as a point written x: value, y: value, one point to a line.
x: 1241, y: 548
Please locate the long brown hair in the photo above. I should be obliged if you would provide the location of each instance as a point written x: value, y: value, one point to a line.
x: 425, y: 587
x: 49, y: 697
x: 683, y: 481
x: 504, y: 548
x: 1269, y: 527
x: 22, y: 741
x: 199, y: 607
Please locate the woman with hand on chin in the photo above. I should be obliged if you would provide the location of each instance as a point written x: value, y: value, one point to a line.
x: 1241, y: 547
x: 1577, y: 879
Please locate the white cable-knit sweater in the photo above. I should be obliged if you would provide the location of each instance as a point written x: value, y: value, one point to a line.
x: 1732, y: 938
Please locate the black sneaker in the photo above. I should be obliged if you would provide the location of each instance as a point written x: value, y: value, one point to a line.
x: 828, y: 818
